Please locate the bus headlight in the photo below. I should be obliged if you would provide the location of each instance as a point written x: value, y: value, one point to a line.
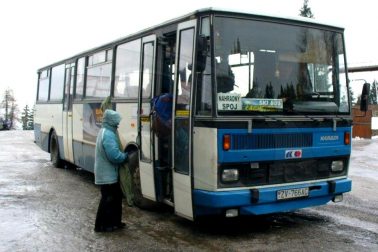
x: 230, y: 175
x: 337, y: 166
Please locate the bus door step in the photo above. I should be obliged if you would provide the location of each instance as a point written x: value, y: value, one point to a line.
x: 168, y: 202
x: 163, y: 183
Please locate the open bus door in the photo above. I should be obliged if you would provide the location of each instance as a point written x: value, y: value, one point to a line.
x: 67, y: 112
x: 181, y: 134
x: 146, y: 135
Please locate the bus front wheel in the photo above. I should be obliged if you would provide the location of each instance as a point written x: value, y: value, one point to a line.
x: 54, y: 151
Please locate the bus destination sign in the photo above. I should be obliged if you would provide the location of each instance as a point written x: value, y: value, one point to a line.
x: 229, y: 101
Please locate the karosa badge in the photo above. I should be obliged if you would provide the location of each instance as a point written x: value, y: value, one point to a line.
x: 290, y: 154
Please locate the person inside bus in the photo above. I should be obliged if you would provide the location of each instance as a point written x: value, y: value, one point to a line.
x: 224, y: 75
x: 108, y: 158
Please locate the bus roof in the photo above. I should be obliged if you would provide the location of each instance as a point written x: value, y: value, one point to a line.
x: 274, y: 16
x: 193, y: 14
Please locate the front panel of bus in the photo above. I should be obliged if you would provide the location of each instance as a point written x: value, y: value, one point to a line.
x: 272, y: 126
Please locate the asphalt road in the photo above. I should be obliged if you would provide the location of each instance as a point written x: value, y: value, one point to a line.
x: 47, y: 209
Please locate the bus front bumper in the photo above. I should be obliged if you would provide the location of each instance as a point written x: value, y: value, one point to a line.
x: 264, y: 200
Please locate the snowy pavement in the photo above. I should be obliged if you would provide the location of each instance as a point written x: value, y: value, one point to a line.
x: 364, y: 159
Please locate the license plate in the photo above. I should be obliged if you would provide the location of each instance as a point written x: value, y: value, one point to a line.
x: 292, y: 193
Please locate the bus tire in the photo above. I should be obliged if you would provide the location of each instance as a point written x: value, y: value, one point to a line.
x: 138, y: 198
x: 54, y: 151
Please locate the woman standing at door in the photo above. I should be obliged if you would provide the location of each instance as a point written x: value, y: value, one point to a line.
x: 108, y: 157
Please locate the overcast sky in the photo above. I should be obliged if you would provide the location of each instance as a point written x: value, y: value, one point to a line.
x: 35, y: 33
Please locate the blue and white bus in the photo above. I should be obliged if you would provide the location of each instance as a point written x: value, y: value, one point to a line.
x: 260, y: 122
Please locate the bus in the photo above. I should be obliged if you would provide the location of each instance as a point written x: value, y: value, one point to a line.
x: 260, y: 120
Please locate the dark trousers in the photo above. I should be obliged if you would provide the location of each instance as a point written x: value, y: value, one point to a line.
x: 109, y: 213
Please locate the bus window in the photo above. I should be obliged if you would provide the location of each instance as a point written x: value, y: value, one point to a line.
x: 98, y: 76
x: 169, y: 52
x: 43, y: 90
x: 185, y: 69
x: 204, y: 91
x: 204, y: 84
x: 242, y: 67
x: 127, y: 70
x: 147, y: 69
x: 205, y: 26
x: 181, y: 140
x: 57, y: 83
x: 344, y: 103
x: 68, y: 87
x: 80, y: 78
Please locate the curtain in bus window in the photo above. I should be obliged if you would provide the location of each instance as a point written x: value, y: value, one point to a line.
x: 57, y: 82
x: 98, y: 81
x: 126, y: 79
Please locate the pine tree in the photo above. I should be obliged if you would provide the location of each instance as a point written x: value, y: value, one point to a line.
x: 373, y: 93
x: 31, y: 119
x: 306, y: 11
x: 269, y: 92
x: 11, y: 109
x: 351, y: 96
x: 291, y: 92
x: 27, y: 118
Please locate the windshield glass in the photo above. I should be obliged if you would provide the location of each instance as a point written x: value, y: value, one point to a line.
x: 276, y: 68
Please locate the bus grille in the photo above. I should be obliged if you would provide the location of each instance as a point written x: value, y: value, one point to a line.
x: 281, y: 172
x: 268, y: 141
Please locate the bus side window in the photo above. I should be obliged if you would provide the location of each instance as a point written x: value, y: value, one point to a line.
x: 183, y: 98
x: 148, y: 57
x: 127, y: 70
x: 79, y: 92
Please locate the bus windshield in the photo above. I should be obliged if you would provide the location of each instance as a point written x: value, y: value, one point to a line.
x: 272, y: 68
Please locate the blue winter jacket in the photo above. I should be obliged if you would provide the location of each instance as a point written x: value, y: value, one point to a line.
x: 108, y: 155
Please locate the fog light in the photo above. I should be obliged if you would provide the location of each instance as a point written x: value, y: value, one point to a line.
x: 230, y: 175
x: 232, y: 213
x: 337, y: 166
x: 338, y: 198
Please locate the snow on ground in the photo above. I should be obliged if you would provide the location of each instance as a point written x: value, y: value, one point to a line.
x: 374, y: 123
x: 364, y: 158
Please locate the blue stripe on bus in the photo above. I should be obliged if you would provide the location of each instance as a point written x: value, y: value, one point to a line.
x: 208, y: 202
x: 325, y: 142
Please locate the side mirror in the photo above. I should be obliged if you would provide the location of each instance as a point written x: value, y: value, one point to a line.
x: 364, y: 106
x: 201, y: 53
